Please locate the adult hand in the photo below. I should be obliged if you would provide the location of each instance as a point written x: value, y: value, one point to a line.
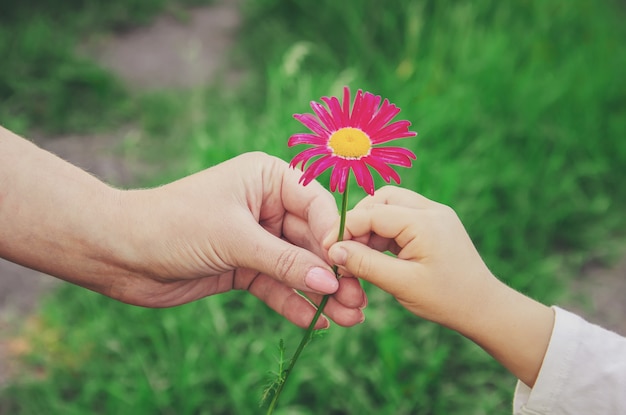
x: 244, y: 224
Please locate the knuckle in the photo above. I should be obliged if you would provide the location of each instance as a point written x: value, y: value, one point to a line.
x: 443, y: 211
x: 286, y: 263
x: 385, y: 191
x: 446, y: 210
x: 362, y: 265
x: 450, y: 214
x: 259, y: 155
x: 387, y: 188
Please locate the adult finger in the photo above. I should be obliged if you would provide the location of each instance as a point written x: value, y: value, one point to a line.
x: 350, y: 294
x: 291, y: 265
x: 298, y: 232
x: 286, y: 301
x: 312, y: 203
x: 339, y: 313
x: 298, y: 309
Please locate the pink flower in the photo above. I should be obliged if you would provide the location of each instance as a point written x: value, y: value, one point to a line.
x: 347, y: 140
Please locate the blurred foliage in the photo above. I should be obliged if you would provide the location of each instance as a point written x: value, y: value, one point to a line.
x: 521, y: 111
x: 90, y: 14
x: 525, y: 98
x: 45, y: 83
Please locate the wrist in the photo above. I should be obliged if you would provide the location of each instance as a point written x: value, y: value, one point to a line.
x: 128, y: 237
x: 60, y: 220
x: 149, y: 223
x: 512, y: 328
x: 105, y: 257
x: 134, y: 232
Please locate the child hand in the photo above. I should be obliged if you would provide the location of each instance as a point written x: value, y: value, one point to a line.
x: 437, y: 273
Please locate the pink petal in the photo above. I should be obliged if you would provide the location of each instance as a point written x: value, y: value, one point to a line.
x: 346, y: 104
x: 398, y: 129
x: 356, y: 108
x: 304, y: 156
x: 324, y: 116
x: 386, y: 172
x: 339, y: 176
x: 305, y: 138
x: 336, y: 112
x: 368, y: 108
x: 393, y: 155
x: 385, y: 114
x: 363, y: 176
x: 396, y: 136
x: 312, y: 124
x: 316, y: 168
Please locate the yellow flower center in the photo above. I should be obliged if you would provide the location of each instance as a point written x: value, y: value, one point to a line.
x: 350, y: 143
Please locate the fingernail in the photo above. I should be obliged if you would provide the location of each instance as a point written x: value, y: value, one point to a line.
x: 322, y: 280
x: 325, y: 326
x: 338, y: 255
x: 364, y: 303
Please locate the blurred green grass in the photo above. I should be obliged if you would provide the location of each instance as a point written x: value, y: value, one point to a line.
x: 45, y: 83
x: 521, y: 111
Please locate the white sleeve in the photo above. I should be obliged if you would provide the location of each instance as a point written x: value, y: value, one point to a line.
x: 583, y: 372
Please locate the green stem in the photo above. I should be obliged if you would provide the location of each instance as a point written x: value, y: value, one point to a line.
x: 309, y: 331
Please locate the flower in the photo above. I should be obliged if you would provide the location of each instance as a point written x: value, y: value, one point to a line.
x: 347, y: 140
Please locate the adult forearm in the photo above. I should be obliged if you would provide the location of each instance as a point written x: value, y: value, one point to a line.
x: 55, y: 217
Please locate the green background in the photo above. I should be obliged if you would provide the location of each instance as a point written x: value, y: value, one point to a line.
x: 520, y: 108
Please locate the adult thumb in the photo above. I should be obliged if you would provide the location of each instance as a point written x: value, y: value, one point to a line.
x: 294, y: 266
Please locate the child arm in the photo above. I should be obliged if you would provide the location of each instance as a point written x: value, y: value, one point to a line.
x: 438, y: 275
